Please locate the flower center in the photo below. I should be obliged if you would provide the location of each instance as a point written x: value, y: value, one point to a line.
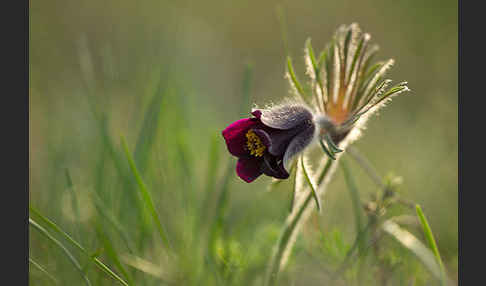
x: 254, y: 144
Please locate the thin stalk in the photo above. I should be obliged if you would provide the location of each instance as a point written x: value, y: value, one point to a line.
x: 38, y: 266
x: 147, y: 198
x: 68, y: 254
x: 294, y: 220
x: 74, y: 243
x: 432, y: 244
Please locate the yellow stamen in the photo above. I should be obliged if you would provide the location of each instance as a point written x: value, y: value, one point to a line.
x: 254, y: 144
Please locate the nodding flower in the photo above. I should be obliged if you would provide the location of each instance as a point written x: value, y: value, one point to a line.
x: 344, y: 89
x: 265, y: 143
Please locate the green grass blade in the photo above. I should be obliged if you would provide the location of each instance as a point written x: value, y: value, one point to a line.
x: 107, y: 270
x: 97, y: 262
x: 113, y: 153
x: 114, y: 222
x: 414, y: 245
x: 145, y: 266
x: 74, y: 200
x: 110, y: 250
x: 146, y: 138
x: 68, y: 254
x: 431, y: 241
x: 38, y: 266
x: 71, y: 188
x: 147, y: 198
x: 56, y: 228
x: 148, y: 131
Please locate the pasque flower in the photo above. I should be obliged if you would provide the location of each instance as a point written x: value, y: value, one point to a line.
x: 265, y: 143
x: 344, y: 89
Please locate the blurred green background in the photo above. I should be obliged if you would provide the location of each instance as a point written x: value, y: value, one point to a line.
x: 168, y: 76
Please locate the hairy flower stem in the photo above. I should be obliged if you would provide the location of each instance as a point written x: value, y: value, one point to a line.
x: 295, y: 219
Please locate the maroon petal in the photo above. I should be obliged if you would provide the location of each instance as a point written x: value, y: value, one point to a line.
x: 257, y: 113
x: 249, y: 168
x: 235, y: 138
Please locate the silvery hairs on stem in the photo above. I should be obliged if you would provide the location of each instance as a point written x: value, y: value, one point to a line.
x: 343, y: 89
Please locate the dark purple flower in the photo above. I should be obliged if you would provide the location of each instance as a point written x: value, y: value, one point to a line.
x: 265, y: 143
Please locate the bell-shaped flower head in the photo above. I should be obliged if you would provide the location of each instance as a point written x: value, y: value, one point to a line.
x: 266, y: 142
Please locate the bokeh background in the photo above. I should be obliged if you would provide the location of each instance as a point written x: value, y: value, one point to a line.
x: 169, y: 76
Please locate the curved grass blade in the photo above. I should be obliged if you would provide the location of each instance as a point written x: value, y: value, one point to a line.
x: 97, y: 262
x: 149, y: 128
x: 37, y: 265
x: 114, y: 222
x: 147, y: 198
x: 144, y: 144
x: 70, y: 186
x: 145, y: 266
x: 414, y: 245
x: 431, y: 241
x: 110, y: 250
x: 71, y: 258
x: 56, y: 228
